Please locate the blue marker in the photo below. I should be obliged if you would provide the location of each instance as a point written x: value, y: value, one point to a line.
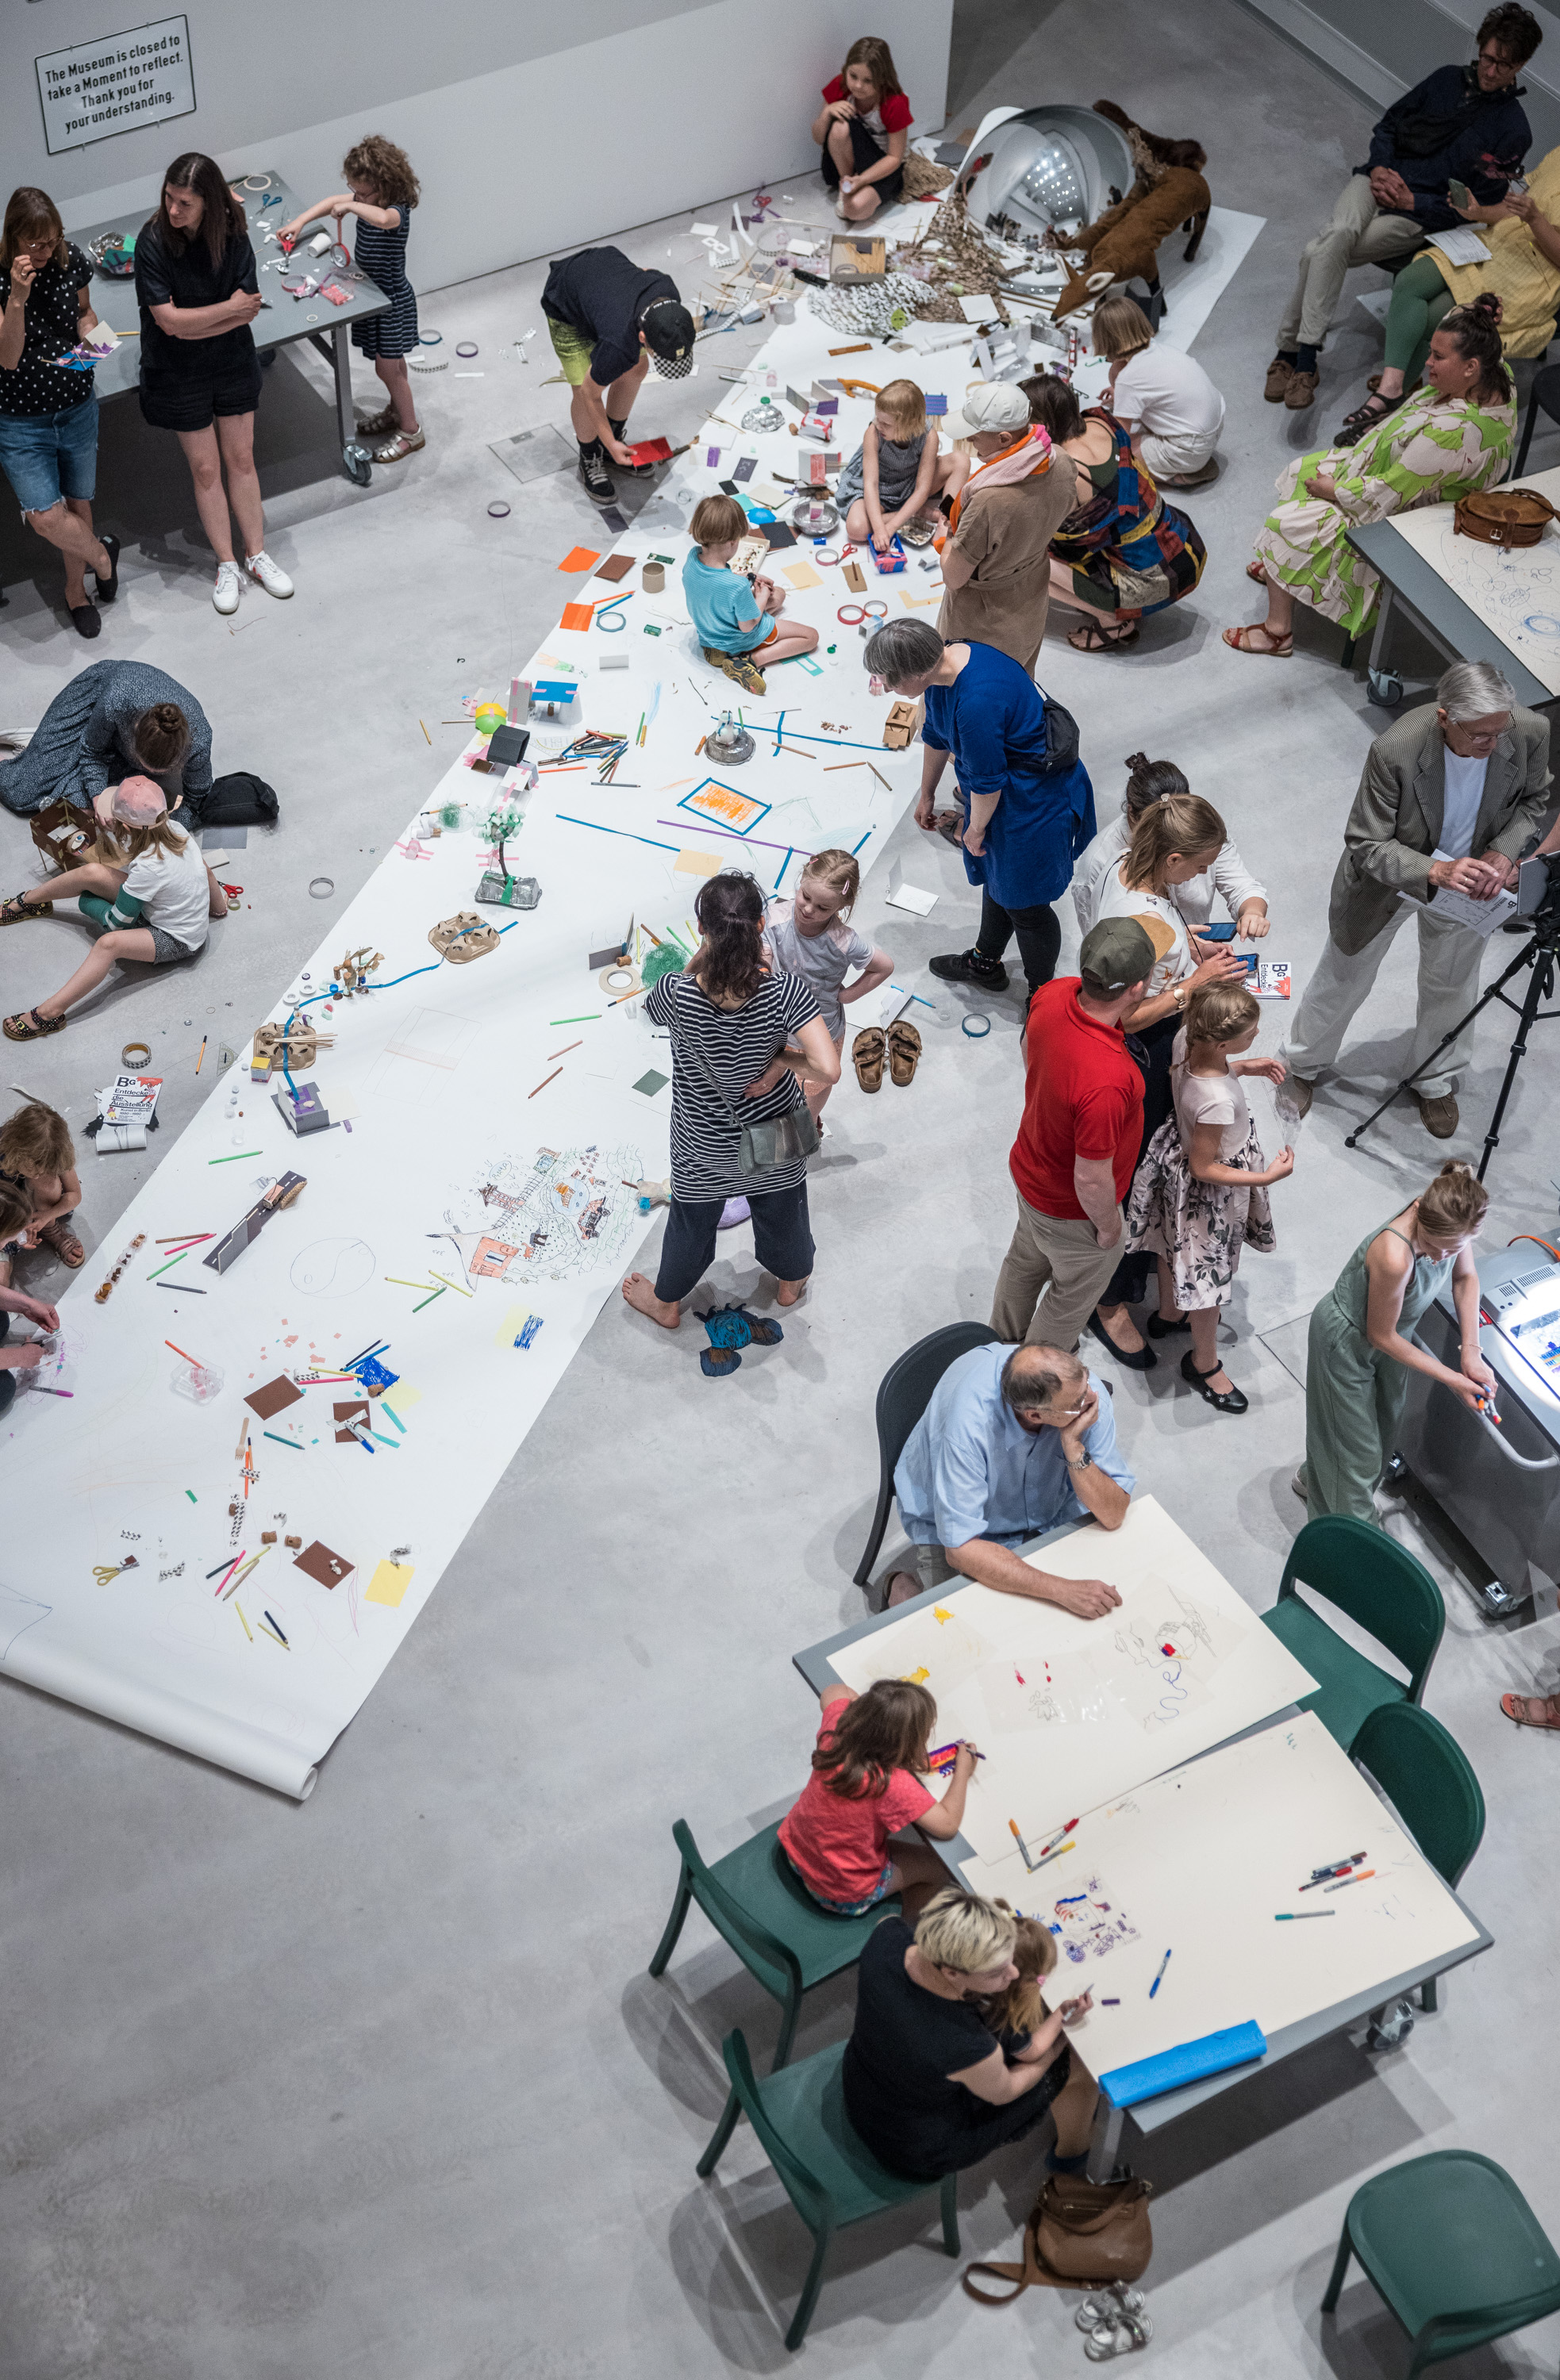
x: 1160, y: 1977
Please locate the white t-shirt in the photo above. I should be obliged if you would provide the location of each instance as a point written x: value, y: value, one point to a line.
x: 173, y: 891
x: 1229, y: 878
x: 1460, y: 816
x: 1208, y: 1098
x: 1117, y: 901
x: 1169, y: 394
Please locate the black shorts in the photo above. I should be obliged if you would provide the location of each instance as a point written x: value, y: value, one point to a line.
x: 864, y: 152
x: 188, y: 395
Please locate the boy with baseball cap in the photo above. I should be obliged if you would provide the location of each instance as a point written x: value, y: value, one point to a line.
x: 611, y: 321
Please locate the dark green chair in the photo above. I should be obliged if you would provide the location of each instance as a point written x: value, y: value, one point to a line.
x: 904, y: 1393
x: 831, y: 2178
x: 1425, y: 1774
x: 1384, y: 1590
x: 756, y: 1901
x: 1451, y: 2244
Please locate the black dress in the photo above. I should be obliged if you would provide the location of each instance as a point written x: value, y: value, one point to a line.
x: 905, y: 2043
x: 186, y: 383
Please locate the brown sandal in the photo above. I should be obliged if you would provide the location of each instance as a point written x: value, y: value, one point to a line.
x: 13, y: 911
x: 1517, y: 1705
x: 28, y: 1026
x: 1257, y: 572
x: 904, y: 1052
x: 867, y: 1054
x: 1089, y: 637
x: 59, y: 1236
x: 1278, y: 649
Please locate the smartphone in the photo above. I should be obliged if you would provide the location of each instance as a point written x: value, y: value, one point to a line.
x: 1460, y: 195
x: 1214, y: 933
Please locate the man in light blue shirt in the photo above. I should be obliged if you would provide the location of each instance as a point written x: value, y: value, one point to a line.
x: 1015, y: 1440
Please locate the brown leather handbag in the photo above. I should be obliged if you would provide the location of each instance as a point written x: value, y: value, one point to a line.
x: 1504, y: 516
x: 1080, y: 2234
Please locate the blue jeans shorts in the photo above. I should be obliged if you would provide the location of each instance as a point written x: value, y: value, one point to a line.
x: 848, y: 1908
x: 47, y: 456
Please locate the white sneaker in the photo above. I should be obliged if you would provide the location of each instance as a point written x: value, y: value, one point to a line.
x: 228, y: 588
x: 264, y: 572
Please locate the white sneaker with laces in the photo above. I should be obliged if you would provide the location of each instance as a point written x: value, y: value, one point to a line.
x: 264, y: 572
x: 228, y: 588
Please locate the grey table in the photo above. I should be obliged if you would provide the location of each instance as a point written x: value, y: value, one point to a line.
x: 1411, y: 585
x: 816, y: 1665
x: 284, y: 321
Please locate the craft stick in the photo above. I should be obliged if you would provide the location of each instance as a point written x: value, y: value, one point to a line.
x: 865, y: 839
x: 393, y: 1416
x: 707, y: 826
x: 835, y: 766
x: 558, y: 1070
x: 426, y: 737
x: 784, y: 865
x: 883, y: 781
x: 621, y: 831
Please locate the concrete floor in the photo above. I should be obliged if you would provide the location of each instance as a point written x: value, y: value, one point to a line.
x: 378, y: 2085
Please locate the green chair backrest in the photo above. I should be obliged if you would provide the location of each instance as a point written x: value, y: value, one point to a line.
x: 803, y: 2188
x: 773, y: 1961
x: 1378, y: 1583
x: 1425, y: 1775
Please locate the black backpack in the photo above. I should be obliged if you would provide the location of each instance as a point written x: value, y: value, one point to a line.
x: 237, y: 800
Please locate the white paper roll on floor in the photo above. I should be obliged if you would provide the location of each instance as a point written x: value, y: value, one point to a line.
x: 116, y: 1139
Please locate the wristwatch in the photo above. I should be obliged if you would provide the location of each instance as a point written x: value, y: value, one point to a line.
x: 1085, y: 1462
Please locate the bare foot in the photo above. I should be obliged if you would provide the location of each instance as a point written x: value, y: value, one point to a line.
x: 789, y: 1292
x: 641, y: 1294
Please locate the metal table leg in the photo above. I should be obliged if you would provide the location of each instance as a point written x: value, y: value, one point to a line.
x: 1387, y: 686
x: 1105, y: 2140
x: 356, y: 460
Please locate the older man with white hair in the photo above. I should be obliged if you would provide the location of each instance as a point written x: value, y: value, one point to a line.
x: 1449, y: 800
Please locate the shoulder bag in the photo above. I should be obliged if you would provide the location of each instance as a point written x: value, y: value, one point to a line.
x: 760, y: 1146
x: 1079, y: 2234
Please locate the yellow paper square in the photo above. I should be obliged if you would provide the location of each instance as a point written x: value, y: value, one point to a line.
x: 400, y: 1400
x: 512, y: 1325
x: 695, y: 863
x: 801, y: 573
x: 389, y: 1584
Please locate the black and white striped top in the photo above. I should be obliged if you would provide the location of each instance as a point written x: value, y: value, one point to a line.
x: 380, y: 251
x: 735, y: 1044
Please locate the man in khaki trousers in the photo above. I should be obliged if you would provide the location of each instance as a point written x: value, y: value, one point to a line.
x: 1077, y: 1147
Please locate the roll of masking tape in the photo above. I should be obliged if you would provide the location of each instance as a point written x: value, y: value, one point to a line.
x: 652, y: 579
x: 134, y: 1056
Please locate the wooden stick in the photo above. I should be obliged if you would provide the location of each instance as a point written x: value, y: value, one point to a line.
x: 566, y: 1047
x: 834, y: 766
x: 552, y: 1077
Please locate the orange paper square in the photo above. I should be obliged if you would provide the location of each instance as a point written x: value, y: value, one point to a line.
x: 577, y: 616
x: 580, y: 559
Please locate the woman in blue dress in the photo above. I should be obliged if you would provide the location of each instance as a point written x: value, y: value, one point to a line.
x: 1028, y: 804
x: 382, y: 192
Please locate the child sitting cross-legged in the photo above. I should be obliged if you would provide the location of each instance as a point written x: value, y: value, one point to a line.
x: 896, y: 474
x: 148, y: 885
x: 38, y: 1156
x: 16, y: 1215
x: 736, y: 618
x: 866, y: 1785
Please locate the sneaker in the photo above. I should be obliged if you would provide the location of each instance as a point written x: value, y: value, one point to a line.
x: 228, y: 588
x: 1279, y: 374
x: 1438, y: 1116
x: 596, y: 479
x: 738, y: 668
x: 1300, y: 390
x: 264, y: 572
x: 969, y: 966
x: 1302, y: 1485
x: 382, y: 423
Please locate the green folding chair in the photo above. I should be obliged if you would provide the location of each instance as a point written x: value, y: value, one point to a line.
x: 1378, y: 1583
x: 1455, y: 2250
x: 757, y: 1902
x: 830, y: 2177
x: 1426, y: 1775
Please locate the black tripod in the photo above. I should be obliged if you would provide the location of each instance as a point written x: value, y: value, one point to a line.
x: 1542, y: 955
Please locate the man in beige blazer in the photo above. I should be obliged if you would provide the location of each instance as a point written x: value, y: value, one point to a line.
x: 1450, y: 797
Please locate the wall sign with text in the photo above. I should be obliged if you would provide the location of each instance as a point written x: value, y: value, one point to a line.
x: 116, y: 84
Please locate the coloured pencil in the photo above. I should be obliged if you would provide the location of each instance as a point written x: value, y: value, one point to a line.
x: 883, y: 781
x: 865, y: 840
x: 248, y: 1630
x: 566, y: 1047
x: 556, y: 1071
x: 276, y: 1624
x: 228, y: 1571
x: 234, y: 1158
x: 427, y: 1301
x: 169, y: 1266
x: 589, y: 1017
x: 426, y: 737
x: 204, y: 1039
x: 281, y: 1442
x: 172, y: 1239
x: 181, y: 1288
x: 276, y: 1637
x: 452, y: 1284
x: 189, y: 1359
x: 221, y: 1565
x: 402, y: 1284
x: 835, y: 766
x: 707, y: 826
x: 39, y: 1390
x: 1299, y: 1916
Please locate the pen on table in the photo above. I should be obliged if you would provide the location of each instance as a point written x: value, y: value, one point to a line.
x: 279, y: 1632
x: 1364, y: 1875
x: 1057, y: 1836
x: 1299, y: 1916
x: 1160, y: 1977
x: 1013, y: 1830
x: 1110, y: 2003
x: 1322, y: 1874
x: 1046, y: 1858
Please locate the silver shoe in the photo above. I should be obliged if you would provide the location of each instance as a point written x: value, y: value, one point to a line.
x: 1112, y: 2303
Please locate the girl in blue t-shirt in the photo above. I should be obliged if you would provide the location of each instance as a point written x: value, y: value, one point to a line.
x: 736, y: 618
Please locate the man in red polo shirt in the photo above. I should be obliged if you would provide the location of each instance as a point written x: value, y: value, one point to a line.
x: 1078, y: 1143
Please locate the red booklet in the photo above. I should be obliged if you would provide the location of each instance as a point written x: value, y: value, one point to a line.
x: 652, y: 450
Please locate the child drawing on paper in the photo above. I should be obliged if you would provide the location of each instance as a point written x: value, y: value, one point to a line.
x: 1088, y: 1923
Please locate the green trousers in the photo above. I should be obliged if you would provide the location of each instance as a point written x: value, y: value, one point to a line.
x: 1419, y: 299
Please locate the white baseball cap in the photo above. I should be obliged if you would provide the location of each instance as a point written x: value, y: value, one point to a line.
x: 990, y: 404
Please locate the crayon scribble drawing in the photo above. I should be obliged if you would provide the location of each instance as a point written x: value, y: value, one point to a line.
x: 561, y: 1212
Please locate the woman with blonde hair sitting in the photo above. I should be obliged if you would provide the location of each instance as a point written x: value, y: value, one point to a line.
x: 926, y: 2087
x: 1164, y: 398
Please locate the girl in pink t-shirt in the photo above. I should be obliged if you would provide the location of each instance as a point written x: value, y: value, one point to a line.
x: 863, y: 1788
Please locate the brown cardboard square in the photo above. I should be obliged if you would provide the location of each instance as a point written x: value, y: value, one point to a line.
x: 356, y: 1408
x: 273, y: 1399
x: 617, y: 567
x: 320, y: 1564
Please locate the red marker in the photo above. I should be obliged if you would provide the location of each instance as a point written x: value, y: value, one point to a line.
x: 1057, y: 1836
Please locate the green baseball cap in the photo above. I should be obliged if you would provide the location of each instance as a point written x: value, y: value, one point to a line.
x: 1117, y: 952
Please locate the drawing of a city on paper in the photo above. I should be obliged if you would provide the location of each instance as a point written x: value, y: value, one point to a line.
x: 1517, y: 593
x: 1068, y: 1712
x: 550, y: 1217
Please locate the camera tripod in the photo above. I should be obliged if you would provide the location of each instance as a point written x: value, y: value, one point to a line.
x: 1542, y: 954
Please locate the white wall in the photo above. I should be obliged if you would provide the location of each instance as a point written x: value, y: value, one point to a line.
x: 524, y: 147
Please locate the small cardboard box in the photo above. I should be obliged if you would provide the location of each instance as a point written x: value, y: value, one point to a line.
x: 899, y: 725
x: 856, y: 259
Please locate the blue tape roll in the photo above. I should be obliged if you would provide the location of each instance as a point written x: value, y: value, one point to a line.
x: 977, y: 1026
x: 1150, y: 2078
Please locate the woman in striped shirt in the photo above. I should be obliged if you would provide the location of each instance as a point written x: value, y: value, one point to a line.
x: 730, y: 1019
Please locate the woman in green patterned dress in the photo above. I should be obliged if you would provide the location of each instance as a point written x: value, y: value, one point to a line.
x: 1361, y: 1345
x: 1448, y: 439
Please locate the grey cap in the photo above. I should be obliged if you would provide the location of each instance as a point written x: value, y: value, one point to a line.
x: 1115, y: 953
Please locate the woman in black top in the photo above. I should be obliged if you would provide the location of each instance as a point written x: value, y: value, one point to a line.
x: 730, y: 1021
x: 926, y: 2087
x: 199, y: 375
x: 48, y: 410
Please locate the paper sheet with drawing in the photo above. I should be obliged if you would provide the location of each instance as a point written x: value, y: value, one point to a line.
x: 1069, y: 1711
x: 1200, y: 1863
x: 1517, y: 593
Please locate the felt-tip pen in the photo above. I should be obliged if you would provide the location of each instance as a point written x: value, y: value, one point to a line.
x: 1160, y: 1977
x: 1364, y: 1874
x: 1060, y: 1836
x: 1335, y: 1867
x: 1297, y: 1916
x: 1013, y: 1830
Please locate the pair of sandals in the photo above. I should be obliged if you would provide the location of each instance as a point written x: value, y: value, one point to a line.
x: 899, y: 1047
x: 1116, y: 2322
x: 729, y: 1328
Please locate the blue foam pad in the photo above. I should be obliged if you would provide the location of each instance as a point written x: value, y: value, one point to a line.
x: 1240, y: 2044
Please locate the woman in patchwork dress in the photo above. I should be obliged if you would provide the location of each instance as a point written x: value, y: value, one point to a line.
x: 1449, y: 438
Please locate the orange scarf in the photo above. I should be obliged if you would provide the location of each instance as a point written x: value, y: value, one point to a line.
x: 1012, y: 463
